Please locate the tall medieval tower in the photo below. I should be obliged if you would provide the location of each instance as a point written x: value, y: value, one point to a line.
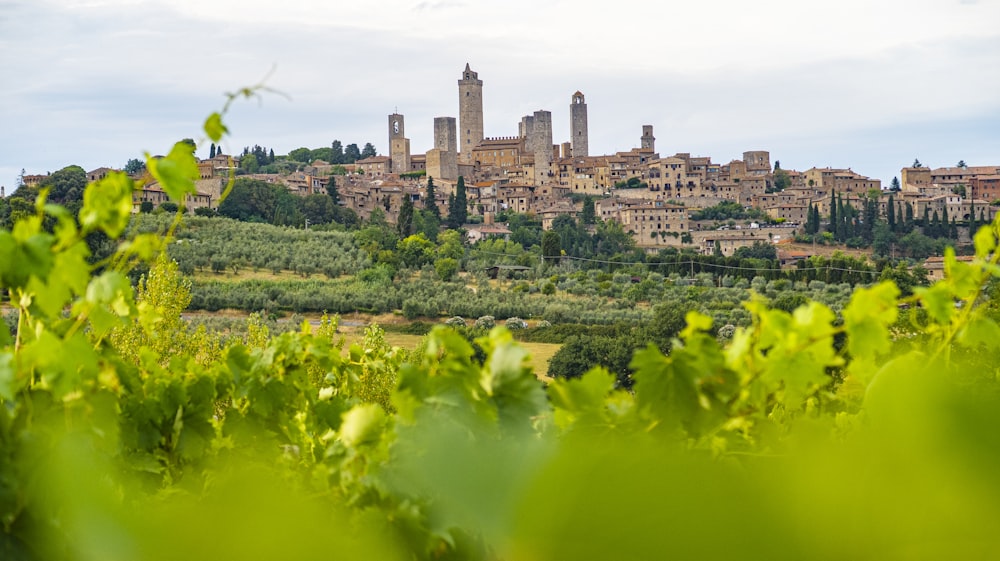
x: 470, y: 113
x: 578, y: 125
x: 648, y: 141
x: 536, y: 130
x: 442, y: 160
x: 399, y: 145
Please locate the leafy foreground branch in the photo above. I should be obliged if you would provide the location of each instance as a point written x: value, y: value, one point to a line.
x: 810, y: 435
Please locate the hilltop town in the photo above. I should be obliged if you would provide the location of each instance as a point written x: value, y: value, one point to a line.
x: 654, y: 197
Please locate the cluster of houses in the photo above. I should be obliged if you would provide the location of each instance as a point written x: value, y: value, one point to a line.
x: 653, y: 197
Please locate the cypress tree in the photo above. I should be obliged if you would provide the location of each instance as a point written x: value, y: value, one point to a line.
x: 211, y: 151
x: 431, y: 203
x: 589, y: 214
x: 908, y: 217
x: 890, y: 214
x: 405, y: 222
x: 935, y: 229
x: 833, y: 214
x: 458, y: 205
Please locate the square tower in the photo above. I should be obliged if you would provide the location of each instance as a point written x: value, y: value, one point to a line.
x: 445, y: 151
x: 470, y: 113
x: 578, y: 125
x: 648, y: 141
x: 399, y: 145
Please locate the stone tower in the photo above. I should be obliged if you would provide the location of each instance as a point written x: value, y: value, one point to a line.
x: 537, y: 131
x: 442, y: 160
x: 578, y: 125
x: 470, y: 113
x: 758, y: 162
x: 399, y: 145
x: 648, y: 141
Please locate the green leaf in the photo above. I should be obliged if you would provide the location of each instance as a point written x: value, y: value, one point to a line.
x: 362, y: 425
x: 583, y: 397
x: 176, y: 172
x: 985, y: 241
x: 10, y: 382
x: 107, y: 204
x: 938, y: 301
x: 980, y: 331
x: 867, y: 319
x: 214, y: 127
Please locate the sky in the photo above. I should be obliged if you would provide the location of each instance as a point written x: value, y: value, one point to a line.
x: 865, y: 84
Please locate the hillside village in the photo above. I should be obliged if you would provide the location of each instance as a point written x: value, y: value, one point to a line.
x: 653, y: 196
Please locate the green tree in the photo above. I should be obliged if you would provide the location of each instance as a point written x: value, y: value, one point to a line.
x: 430, y: 200
x: 317, y: 208
x: 404, y: 224
x: 211, y: 151
x: 337, y: 152
x: 65, y: 186
x: 781, y: 179
x: 458, y: 207
x: 834, y: 218
x: 250, y: 200
x: 916, y: 163
x: 894, y: 186
x: 446, y: 268
x: 368, y: 151
x: 146, y: 207
x: 134, y: 166
x: 415, y: 251
x: 551, y: 246
x: 589, y: 214
x: 351, y: 154
x: 961, y: 164
x: 890, y: 212
x: 249, y: 164
x: 300, y: 155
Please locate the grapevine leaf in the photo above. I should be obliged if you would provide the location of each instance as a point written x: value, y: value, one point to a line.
x: 963, y: 277
x: 108, y: 298
x: 107, y: 204
x: 867, y: 319
x: 980, y: 331
x: 985, y: 241
x: 516, y: 391
x: 214, y: 127
x: 695, y: 322
x: 176, y: 172
x: 581, y: 398
x: 362, y: 425
x: 10, y: 381
x: 938, y: 301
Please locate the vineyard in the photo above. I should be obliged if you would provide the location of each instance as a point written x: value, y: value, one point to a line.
x: 866, y: 430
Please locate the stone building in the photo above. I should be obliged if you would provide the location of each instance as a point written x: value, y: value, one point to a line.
x: 442, y: 160
x: 399, y: 145
x: 758, y: 162
x: 470, y: 113
x: 647, y: 142
x: 537, y: 133
x: 578, y: 125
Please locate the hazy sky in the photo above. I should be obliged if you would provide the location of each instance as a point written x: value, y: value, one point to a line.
x: 866, y: 84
